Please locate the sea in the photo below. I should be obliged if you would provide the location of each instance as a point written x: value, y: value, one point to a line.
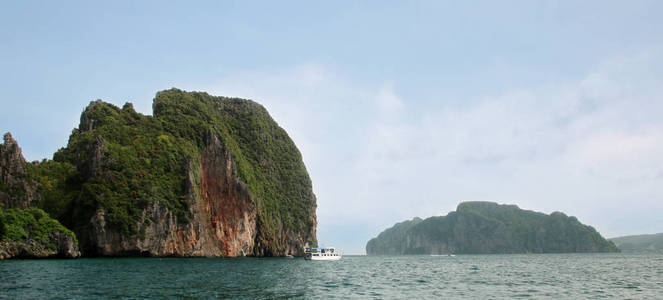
x: 530, y: 276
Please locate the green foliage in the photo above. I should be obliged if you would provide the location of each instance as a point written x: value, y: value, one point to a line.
x: 52, y: 177
x: 125, y: 162
x: 3, y: 228
x: 32, y: 223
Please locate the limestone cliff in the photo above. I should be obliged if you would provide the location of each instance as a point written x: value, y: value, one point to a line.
x: 223, y: 216
x: 27, y: 232
x: 203, y: 176
x: 17, y: 188
x: 485, y: 227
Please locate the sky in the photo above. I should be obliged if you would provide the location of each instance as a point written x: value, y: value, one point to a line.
x: 401, y: 109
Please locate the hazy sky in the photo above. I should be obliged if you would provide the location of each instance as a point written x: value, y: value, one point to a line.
x: 400, y: 109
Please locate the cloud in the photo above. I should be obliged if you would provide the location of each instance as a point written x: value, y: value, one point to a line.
x: 388, y: 103
x: 621, y: 156
x: 587, y: 147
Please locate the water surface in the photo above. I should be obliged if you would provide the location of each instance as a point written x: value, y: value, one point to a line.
x: 554, y: 276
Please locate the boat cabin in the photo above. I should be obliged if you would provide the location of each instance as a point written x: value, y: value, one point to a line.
x: 322, y: 253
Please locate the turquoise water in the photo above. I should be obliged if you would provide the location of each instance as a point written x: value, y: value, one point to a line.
x: 552, y: 276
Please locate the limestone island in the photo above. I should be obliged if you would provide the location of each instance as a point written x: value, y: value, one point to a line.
x: 642, y: 243
x: 203, y: 176
x: 489, y: 228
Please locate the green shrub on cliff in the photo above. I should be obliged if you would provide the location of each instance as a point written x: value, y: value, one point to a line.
x: 32, y: 223
x: 52, y: 177
x: 2, y: 225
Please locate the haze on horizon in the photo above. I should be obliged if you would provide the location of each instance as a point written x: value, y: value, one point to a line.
x: 399, y: 110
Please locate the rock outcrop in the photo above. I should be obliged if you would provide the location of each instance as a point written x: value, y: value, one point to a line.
x: 27, y: 232
x: 485, y: 227
x: 31, y: 233
x: 204, y: 176
x: 17, y: 188
x: 65, y: 248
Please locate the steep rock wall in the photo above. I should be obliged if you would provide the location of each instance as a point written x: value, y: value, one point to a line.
x: 22, y: 228
x: 203, y: 176
x: 223, y: 215
x: 17, y: 188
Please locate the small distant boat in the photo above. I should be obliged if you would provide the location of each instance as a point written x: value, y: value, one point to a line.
x: 289, y: 256
x: 327, y: 253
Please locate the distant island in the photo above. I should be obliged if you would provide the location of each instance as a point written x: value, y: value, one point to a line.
x: 203, y: 176
x: 644, y: 243
x: 486, y: 228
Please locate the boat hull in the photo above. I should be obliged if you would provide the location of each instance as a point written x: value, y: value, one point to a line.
x: 337, y: 257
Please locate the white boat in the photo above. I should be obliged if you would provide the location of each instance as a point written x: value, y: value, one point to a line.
x: 326, y: 253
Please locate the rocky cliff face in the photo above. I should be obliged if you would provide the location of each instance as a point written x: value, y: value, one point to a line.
x: 17, y: 188
x: 484, y: 227
x: 223, y: 215
x: 65, y: 247
x: 205, y: 176
x: 26, y: 232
